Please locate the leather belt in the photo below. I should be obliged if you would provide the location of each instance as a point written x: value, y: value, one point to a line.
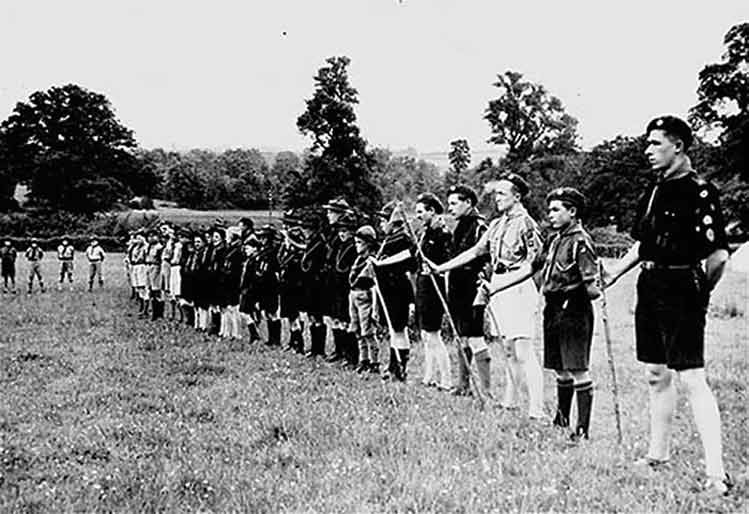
x: 651, y: 265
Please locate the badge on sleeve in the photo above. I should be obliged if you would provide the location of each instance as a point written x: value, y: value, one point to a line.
x: 703, y: 193
x: 710, y: 235
x: 707, y: 220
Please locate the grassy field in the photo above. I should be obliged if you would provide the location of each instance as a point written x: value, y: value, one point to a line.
x: 103, y: 412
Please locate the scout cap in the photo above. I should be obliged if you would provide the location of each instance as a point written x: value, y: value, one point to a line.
x: 674, y: 127
x: 367, y: 234
x: 431, y: 201
x: 521, y: 186
x: 337, y: 205
x: 464, y: 192
x: 568, y: 195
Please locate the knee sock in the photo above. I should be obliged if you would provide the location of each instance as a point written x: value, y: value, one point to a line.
x: 483, y: 364
x: 374, y: 349
x: 584, y: 392
x: 442, y: 359
x: 662, y: 406
x: 429, y: 354
x: 707, y: 418
x: 534, y: 377
x: 565, y: 391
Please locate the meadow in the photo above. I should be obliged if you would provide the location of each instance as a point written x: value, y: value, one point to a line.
x: 103, y: 412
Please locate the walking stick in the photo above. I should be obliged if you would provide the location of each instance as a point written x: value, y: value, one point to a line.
x: 610, y: 355
x: 458, y: 338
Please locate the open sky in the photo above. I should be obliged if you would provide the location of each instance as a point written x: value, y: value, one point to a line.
x: 221, y: 74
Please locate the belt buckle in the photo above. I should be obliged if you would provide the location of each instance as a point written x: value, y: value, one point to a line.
x: 648, y: 265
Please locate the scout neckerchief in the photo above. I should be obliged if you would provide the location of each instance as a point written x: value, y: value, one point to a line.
x: 552, y: 256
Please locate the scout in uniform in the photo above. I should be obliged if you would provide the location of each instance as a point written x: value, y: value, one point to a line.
x: 291, y: 279
x: 168, y: 237
x: 313, y: 269
x: 462, y: 287
x: 332, y: 299
x: 248, y: 287
x: 435, y: 245
x: 128, y: 266
x: 65, y: 255
x: 512, y: 240
x: 361, y: 301
x: 395, y: 289
x: 175, y: 273
x: 679, y: 224
x: 95, y: 256
x: 344, y: 256
x: 138, y: 271
x: 180, y: 286
x: 8, y: 257
x: 34, y: 255
x: 569, y: 270
x: 194, y: 283
x: 214, y: 281
x: 232, y: 272
x: 266, y: 278
x: 153, y: 274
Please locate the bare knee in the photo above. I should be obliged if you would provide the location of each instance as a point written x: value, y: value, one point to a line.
x: 693, y: 379
x: 659, y: 377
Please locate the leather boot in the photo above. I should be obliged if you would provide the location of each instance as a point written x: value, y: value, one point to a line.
x: 318, y: 334
x: 274, y: 332
x: 403, y: 365
x: 254, y: 335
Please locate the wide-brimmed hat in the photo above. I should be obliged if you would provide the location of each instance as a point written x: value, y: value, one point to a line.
x: 367, y: 234
x: 337, y: 205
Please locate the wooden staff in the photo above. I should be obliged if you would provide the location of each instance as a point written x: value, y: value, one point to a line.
x: 610, y: 355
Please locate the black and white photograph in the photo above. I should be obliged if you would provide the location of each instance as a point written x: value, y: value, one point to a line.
x: 374, y: 256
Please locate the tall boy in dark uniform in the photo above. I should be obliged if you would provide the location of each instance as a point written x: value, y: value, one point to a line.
x: 338, y: 285
x: 313, y: 269
x: 266, y: 278
x: 679, y: 225
x: 291, y: 279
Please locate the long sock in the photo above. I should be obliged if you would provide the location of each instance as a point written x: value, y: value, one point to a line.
x: 429, y: 351
x: 565, y: 391
x: 584, y: 392
x: 374, y: 349
x: 707, y: 418
x: 404, y: 354
x: 442, y: 359
x: 534, y: 377
x: 363, y: 343
x: 662, y: 406
x: 483, y: 364
x: 464, y: 364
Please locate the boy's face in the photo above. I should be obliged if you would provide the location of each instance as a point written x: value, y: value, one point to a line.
x: 458, y: 207
x: 504, y: 195
x: 559, y: 215
x: 216, y: 238
x: 424, y: 214
x: 361, y: 245
x: 198, y: 243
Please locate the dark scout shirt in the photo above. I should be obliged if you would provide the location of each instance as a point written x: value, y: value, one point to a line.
x: 568, y: 260
x: 435, y: 245
x: 679, y: 221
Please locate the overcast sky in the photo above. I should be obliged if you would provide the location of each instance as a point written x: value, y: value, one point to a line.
x: 221, y: 74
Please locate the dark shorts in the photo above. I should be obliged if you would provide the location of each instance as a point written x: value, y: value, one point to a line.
x: 429, y: 308
x: 670, y: 318
x: 314, y: 297
x: 8, y: 271
x: 292, y: 302
x: 397, y: 300
x: 469, y: 319
x: 568, y: 330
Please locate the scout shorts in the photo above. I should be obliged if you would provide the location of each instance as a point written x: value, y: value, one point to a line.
x: 515, y: 310
x: 360, y: 312
x: 568, y: 330
x: 670, y: 317
x: 139, y: 275
x: 429, y: 309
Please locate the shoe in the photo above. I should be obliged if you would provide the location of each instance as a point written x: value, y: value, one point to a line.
x: 648, y: 463
x: 717, y: 486
x: 362, y: 367
x: 578, y: 436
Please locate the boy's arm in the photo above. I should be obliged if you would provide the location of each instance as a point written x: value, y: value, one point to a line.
x: 507, y: 280
x: 393, y: 259
x: 626, y: 263
x: 587, y: 264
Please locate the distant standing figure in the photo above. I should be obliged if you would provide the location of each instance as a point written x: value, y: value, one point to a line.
x: 95, y: 255
x: 65, y: 254
x: 34, y: 255
x: 8, y: 256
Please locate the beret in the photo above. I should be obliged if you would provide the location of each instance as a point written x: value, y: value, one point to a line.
x: 430, y: 200
x: 519, y: 182
x: 337, y: 205
x: 672, y: 126
x: 367, y: 234
x: 567, y: 195
x: 464, y: 192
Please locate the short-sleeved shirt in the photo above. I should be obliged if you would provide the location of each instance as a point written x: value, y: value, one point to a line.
x: 7, y: 255
x: 679, y: 221
x: 65, y: 252
x: 34, y: 254
x: 512, y: 239
x: 568, y: 260
x: 153, y: 254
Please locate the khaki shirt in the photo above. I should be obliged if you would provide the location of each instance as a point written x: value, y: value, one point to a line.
x: 512, y: 239
x: 568, y: 260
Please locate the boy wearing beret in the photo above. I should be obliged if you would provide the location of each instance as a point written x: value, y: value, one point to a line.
x: 361, y: 301
x: 568, y: 266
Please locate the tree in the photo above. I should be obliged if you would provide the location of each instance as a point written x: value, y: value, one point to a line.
x: 338, y: 163
x: 460, y: 159
x: 404, y: 177
x: 529, y: 120
x: 71, y: 150
x: 723, y: 100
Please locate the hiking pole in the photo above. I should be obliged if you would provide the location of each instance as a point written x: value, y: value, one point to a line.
x: 453, y: 327
x: 610, y: 354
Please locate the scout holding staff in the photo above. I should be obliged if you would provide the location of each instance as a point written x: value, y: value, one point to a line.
x: 569, y: 269
x: 153, y: 276
x: 679, y: 224
x: 266, y: 281
x: 214, y: 282
x: 313, y: 269
x: 65, y: 256
x: 95, y: 255
x: 291, y: 279
x: 462, y: 289
x: 8, y: 257
x: 395, y: 289
x: 34, y: 255
x: 248, y: 289
x: 180, y: 251
x: 232, y: 274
